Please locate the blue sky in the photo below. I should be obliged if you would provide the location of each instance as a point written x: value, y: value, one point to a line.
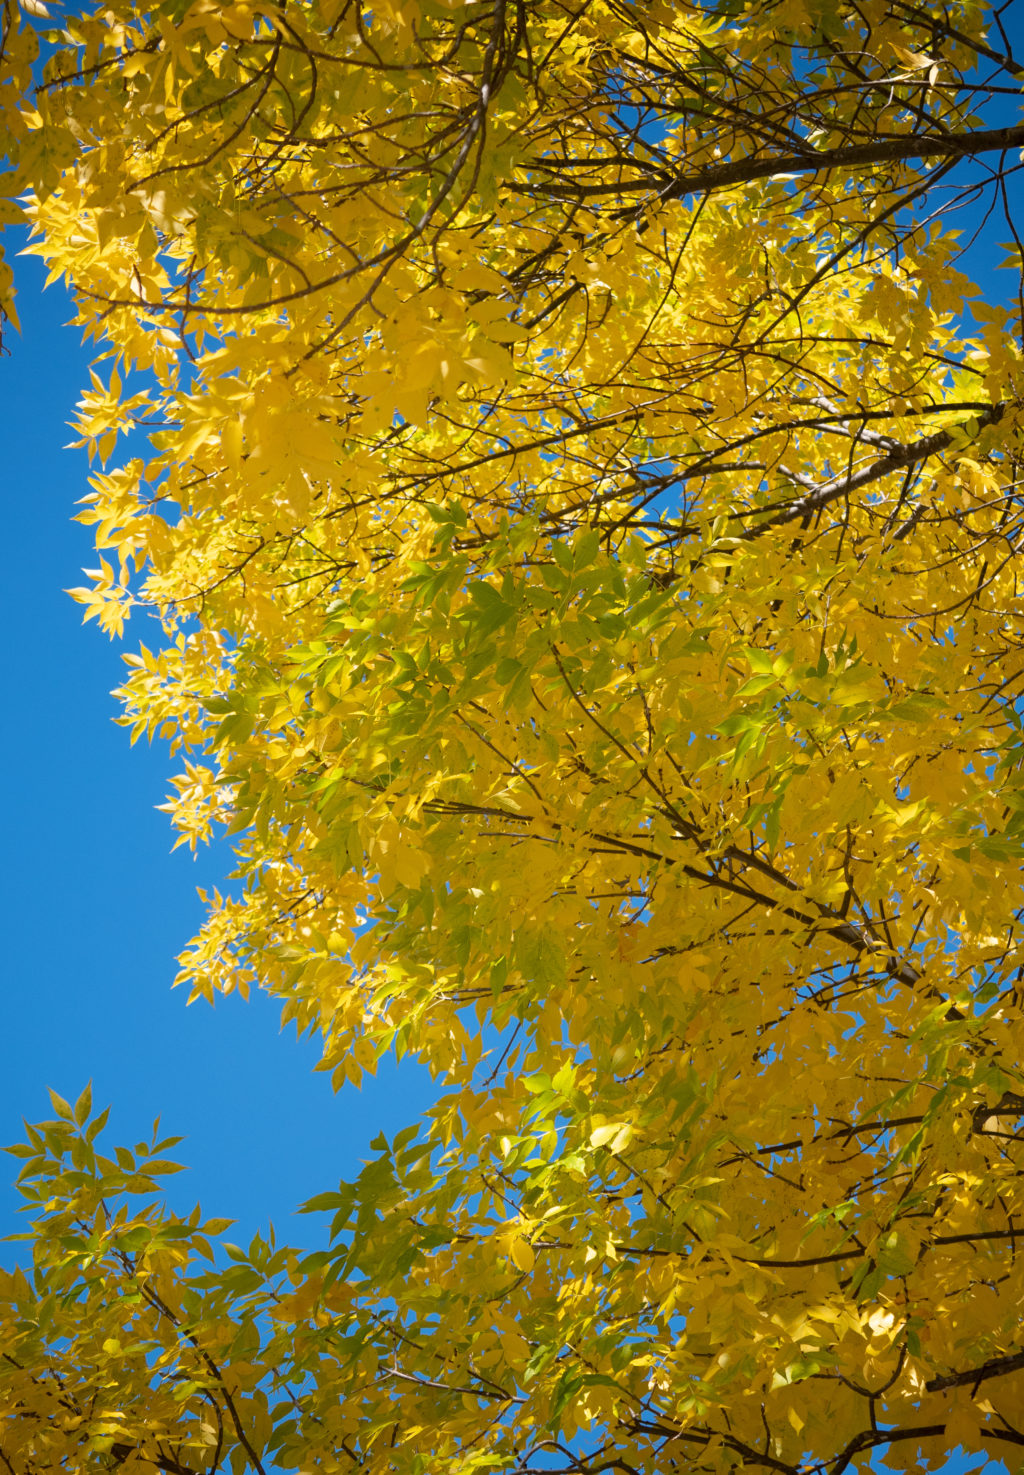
x: 94, y: 905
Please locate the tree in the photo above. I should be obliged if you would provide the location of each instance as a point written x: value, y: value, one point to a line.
x: 583, y: 523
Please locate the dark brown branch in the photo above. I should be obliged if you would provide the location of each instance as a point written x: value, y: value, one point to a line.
x: 996, y: 1367
x: 898, y: 459
x: 122, y: 1452
x: 1008, y: 1436
x: 814, y: 161
x: 872, y: 1438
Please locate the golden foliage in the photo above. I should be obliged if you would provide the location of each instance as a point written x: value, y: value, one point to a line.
x: 583, y: 525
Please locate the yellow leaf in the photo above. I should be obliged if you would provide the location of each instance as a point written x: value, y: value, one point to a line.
x: 231, y: 442
x: 609, y: 1132
x: 521, y: 1253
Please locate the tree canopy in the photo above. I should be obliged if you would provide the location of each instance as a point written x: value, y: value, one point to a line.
x: 574, y: 486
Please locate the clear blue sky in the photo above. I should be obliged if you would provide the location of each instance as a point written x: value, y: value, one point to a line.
x: 94, y: 905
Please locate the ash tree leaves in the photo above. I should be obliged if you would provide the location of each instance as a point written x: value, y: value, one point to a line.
x: 575, y: 530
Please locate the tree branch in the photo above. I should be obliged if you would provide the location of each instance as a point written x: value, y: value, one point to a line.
x: 996, y: 1367
x: 897, y: 459
x: 813, y: 161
